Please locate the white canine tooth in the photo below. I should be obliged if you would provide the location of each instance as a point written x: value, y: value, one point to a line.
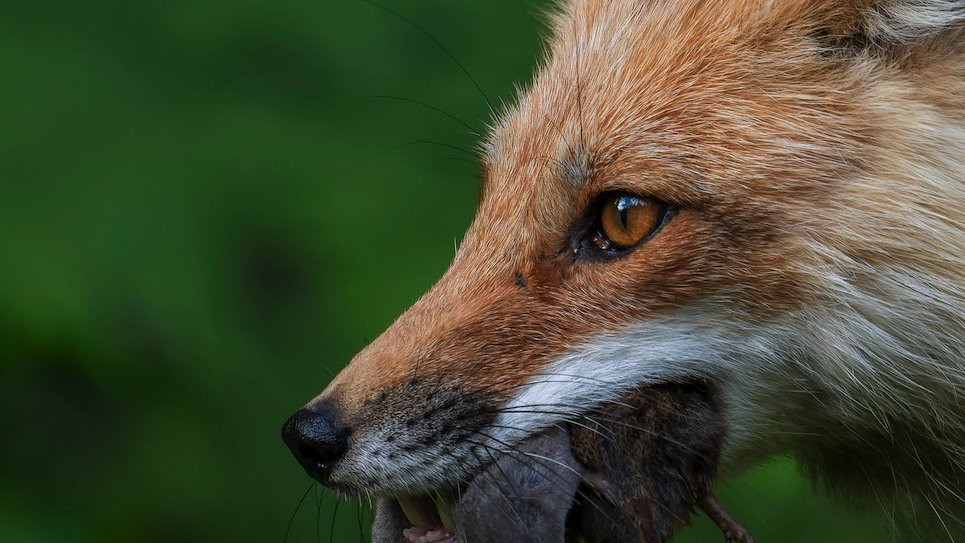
x: 445, y: 514
x: 417, y: 510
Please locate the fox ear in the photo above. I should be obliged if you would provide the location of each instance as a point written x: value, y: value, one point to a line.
x: 889, y: 24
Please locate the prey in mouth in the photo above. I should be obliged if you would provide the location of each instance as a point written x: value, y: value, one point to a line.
x: 633, y: 470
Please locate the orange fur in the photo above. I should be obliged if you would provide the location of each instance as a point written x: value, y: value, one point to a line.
x: 815, y: 151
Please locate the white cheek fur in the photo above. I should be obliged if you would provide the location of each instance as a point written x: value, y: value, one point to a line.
x: 603, y: 369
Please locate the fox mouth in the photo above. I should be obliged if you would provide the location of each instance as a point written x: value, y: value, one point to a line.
x: 430, y: 517
x: 538, y: 478
x: 422, y: 518
x: 632, y: 471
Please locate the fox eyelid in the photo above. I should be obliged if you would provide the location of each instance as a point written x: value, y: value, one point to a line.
x: 588, y: 242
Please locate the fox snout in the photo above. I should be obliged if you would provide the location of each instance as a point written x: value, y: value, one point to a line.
x: 415, y: 434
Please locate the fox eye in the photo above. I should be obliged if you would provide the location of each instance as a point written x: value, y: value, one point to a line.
x: 624, y: 220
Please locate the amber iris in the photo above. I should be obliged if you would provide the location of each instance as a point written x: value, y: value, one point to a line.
x: 625, y: 220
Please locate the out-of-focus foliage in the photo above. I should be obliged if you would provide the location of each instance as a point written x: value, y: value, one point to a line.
x: 204, y: 212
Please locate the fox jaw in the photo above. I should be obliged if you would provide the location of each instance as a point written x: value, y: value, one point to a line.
x: 798, y: 168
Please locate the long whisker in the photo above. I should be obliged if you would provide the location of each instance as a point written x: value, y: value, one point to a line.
x: 437, y: 144
x: 331, y: 528
x: 532, y: 455
x: 358, y: 518
x: 468, y: 126
x: 511, y: 448
x: 665, y: 508
x: 597, y: 418
x: 291, y: 520
x: 518, y: 522
x: 318, y: 515
x: 426, y: 33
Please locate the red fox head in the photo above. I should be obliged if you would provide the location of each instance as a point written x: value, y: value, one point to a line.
x: 766, y: 196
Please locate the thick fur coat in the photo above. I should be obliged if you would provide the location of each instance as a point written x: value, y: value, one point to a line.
x: 813, y: 272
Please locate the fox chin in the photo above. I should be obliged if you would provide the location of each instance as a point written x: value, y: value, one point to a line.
x: 765, y: 196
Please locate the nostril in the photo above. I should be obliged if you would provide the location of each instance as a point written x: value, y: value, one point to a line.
x: 316, y: 438
x: 322, y: 456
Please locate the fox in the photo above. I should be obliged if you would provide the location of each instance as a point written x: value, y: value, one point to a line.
x: 764, y: 196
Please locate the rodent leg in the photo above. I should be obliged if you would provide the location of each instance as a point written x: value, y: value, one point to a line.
x: 733, y: 531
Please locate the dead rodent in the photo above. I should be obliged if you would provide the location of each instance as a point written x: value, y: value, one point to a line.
x: 649, y: 461
x: 630, y: 472
x: 524, y: 495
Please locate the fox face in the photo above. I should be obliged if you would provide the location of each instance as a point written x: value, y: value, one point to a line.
x: 764, y: 196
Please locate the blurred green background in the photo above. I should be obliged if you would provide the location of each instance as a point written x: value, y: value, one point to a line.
x: 204, y: 212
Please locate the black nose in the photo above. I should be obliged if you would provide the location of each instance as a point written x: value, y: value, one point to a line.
x: 317, y: 439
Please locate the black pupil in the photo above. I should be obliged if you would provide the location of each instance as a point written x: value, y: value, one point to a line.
x: 624, y: 203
